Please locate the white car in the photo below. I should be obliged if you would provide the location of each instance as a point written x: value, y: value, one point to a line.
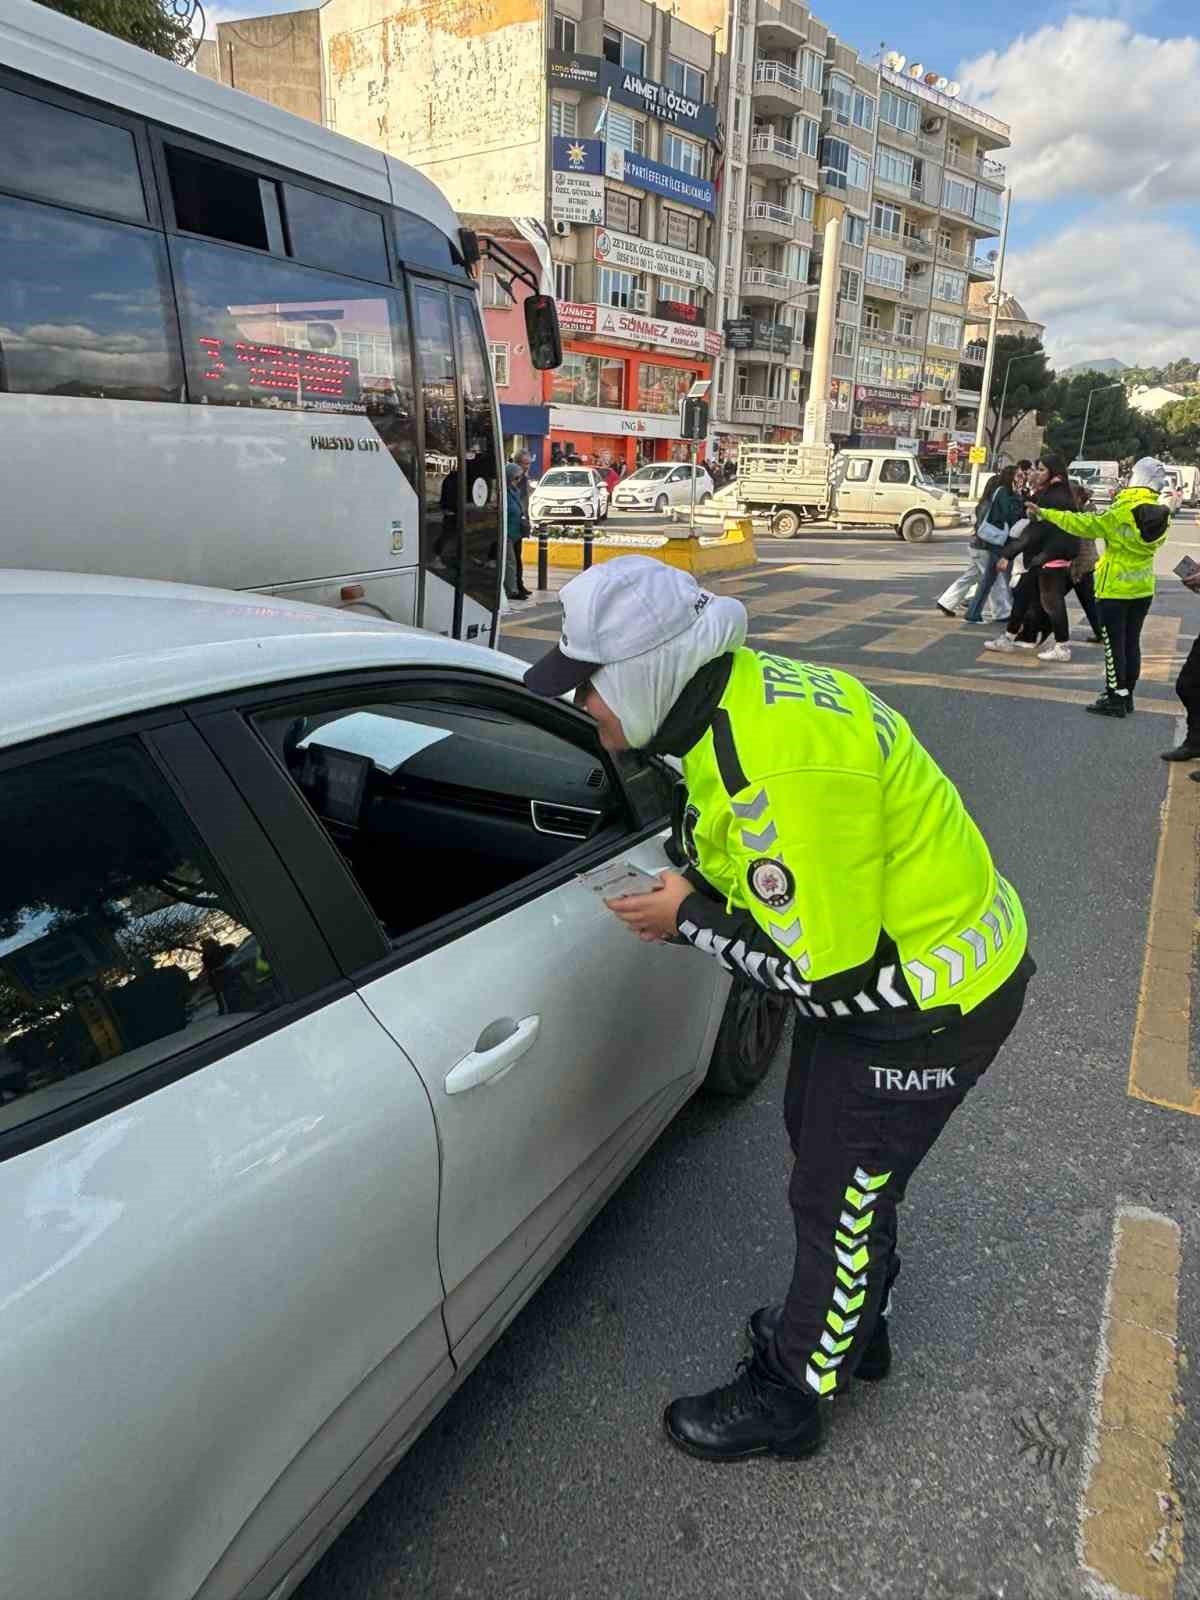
x: 314, y: 1058
x: 663, y: 484
x: 569, y: 494
x: 1172, y: 495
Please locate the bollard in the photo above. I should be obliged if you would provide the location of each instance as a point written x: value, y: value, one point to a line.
x: 543, y: 579
x: 589, y: 534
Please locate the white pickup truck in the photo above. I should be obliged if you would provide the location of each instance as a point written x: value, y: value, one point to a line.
x: 795, y: 483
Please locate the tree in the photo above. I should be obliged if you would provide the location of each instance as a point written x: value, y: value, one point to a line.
x: 156, y: 25
x: 1180, y: 423
x: 1115, y: 431
x: 1030, y: 384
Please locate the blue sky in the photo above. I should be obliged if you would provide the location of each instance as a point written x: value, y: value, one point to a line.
x: 1103, y: 97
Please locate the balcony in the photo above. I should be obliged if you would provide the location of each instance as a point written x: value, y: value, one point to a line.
x: 771, y: 153
x: 910, y: 139
x: 979, y: 167
x: 967, y: 397
x: 780, y: 90
x: 975, y: 354
x: 980, y: 267
x: 773, y: 413
x: 906, y: 341
x: 766, y: 283
x: 916, y: 291
x: 947, y: 106
x: 782, y: 26
x: 769, y: 223
x: 877, y: 290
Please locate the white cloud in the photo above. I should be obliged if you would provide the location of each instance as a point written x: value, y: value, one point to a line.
x: 1113, y: 287
x: 1096, y: 109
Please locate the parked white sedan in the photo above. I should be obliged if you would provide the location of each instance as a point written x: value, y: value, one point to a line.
x: 663, y: 484
x: 314, y: 1057
x: 569, y: 493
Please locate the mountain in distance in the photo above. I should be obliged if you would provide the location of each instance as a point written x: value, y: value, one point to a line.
x: 1101, y: 364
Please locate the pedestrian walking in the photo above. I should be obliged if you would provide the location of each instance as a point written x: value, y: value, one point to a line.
x: 1004, y: 512
x: 1048, y: 555
x: 612, y: 476
x: 1083, y: 568
x: 831, y: 861
x: 997, y: 497
x: 1187, y: 687
x: 516, y: 522
x: 1132, y: 529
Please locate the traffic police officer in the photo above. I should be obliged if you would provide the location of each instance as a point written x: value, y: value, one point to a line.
x: 832, y: 861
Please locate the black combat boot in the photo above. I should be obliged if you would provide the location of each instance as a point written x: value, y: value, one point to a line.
x: 876, y: 1361
x: 755, y: 1415
x: 1187, y: 751
x: 1109, y: 705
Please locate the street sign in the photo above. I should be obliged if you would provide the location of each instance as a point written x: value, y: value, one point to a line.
x: 739, y: 333
x: 952, y: 455
x: 978, y: 455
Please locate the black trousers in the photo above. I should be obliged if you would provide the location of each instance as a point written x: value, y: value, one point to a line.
x: 1187, y: 687
x: 514, y: 567
x: 1085, y: 589
x: 862, y: 1114
x: 1121, y: 624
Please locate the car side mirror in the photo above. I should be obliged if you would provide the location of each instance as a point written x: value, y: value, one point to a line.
x: 542, y: 332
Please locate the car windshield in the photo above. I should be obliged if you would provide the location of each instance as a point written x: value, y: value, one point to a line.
x: 565, y: 480
x: 649, y: 474
x: 1086, y: 474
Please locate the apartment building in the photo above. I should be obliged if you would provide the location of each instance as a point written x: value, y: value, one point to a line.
x: 811, y: 122
x: 592, y: 123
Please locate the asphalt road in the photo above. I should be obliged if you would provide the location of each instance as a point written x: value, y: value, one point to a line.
x: 548, y: 1476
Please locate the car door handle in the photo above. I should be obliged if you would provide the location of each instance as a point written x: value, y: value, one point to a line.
x: 485, y: 1066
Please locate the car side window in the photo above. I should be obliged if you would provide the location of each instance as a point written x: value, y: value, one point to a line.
x: 858, y: 471
x: 894, y: 471
x: 120, y: 943
x: 436, y: 802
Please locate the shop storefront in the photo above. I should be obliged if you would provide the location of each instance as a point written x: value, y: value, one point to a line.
x: 611, y: 404
x: 885, y: 419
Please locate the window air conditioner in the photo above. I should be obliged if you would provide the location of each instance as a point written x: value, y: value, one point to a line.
x: 561, y: 229
x: 933, y: 124
x: 639, y: 300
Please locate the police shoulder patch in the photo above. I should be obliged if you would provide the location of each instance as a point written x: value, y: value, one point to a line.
x: 771, y: 882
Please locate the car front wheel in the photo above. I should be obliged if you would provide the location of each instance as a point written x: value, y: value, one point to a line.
x: 660, y: 505
x: 747, y: 1042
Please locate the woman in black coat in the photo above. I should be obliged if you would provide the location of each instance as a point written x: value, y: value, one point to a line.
x: 1048, y: 555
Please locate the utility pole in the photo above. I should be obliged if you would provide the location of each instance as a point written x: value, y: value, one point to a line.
x: 1092, y: 393
x: 990, y: 359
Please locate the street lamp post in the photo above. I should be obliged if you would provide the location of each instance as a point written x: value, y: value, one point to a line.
x: 1092, y: 393
x: 1029, y: 355
x: 990, y: 358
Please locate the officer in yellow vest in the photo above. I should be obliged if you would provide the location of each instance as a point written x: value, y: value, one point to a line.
x: 831, y: 861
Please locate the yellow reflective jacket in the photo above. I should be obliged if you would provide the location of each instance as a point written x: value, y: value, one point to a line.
x: 851, y: 873
x: 1132, y: 529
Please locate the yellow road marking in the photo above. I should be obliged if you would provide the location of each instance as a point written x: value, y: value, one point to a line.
x: 907, y: 640
x: 1130, y: 1532
x: 831, y: 619
x: 1159, y: 639
x: 1158, y: 1063
x: 1005, y: 687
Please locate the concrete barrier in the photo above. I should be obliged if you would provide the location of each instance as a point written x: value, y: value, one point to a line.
x: 729, y: 551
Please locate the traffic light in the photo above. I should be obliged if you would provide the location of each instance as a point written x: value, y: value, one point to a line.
x: 695, y: 418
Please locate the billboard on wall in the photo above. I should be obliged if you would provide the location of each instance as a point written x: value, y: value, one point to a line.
x: 622, y: 250
x: 595, y: 75
x: 577, y: 181
x: 624, y: 166
x: 610, y: 322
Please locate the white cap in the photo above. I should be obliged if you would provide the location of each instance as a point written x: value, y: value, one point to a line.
x: 613, y: 612
x: 1148, y: 473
